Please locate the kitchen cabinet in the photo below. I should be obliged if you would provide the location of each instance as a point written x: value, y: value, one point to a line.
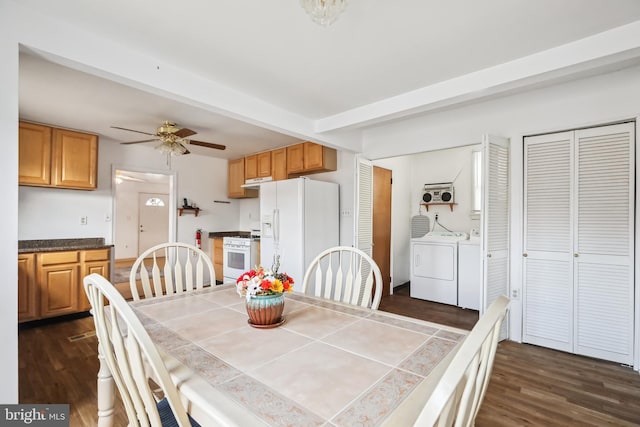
x: 52, y: 157
x: 236, y: 178
x: 58, y: 278
x: 34, y: 154
x: 93, y: 261
x: 216, y: 256
x: 50, y: 283
x: 279, y: 164
x: 257, y: 165
x: 27, y: 289
x: 309, y: 157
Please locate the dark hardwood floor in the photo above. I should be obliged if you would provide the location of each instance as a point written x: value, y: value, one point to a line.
x: 529, y: 385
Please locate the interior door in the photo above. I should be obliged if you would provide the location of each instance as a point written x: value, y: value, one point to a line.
x: 153, y: 220
x: 548, y: 233
x: 495, y: 221
x: 381, y: 218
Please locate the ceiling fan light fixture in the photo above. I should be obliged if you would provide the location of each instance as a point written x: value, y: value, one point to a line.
x: 172, y: 148
x: 324, y: 12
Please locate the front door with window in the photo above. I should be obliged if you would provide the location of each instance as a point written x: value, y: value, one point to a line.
x: 153, y: 220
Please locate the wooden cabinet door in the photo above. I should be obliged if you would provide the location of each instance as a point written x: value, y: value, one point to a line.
x: 236, y: 178
x: 295, y: 159
x: 34, y: 166
x: 279, y: 164
x: 264, y: 164
x: 313, y: 156
x: 93, y: 261
x: 250, y: 167
x: 75, y: 159
x: 100, y: 267
x: 216, y: 257
x: 59, y: 289
x: 27, y: 289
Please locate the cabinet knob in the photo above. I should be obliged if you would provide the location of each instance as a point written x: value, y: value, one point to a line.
x: 525, y: 254
x: 576, y: 255
x: 488, y: 255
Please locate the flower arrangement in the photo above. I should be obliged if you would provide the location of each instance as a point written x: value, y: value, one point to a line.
x: 259, y: 281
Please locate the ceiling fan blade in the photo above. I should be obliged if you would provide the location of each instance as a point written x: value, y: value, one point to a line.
x: 131, y: 130
x: 183, y: 133
x: 138, y: 142
x: 206, y: 144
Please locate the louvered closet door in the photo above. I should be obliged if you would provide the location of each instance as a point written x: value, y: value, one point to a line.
x: 495, y: 222
x: 364, y: 208
x: 548, y: 261
x: 603, y: 243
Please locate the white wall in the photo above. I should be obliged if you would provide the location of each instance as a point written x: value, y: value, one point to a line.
x: 9, y: 223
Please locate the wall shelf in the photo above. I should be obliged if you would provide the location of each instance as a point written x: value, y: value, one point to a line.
x: 426, y: 205
x: 196, y: 211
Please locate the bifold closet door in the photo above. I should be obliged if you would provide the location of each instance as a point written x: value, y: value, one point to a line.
x: 548, y: 262
x: 603, y: 242
x: 578, y: 241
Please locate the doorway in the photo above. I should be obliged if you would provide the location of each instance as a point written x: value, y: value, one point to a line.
x: 133, y: 188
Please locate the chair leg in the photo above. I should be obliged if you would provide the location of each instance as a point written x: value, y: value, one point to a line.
x: 106, y: 393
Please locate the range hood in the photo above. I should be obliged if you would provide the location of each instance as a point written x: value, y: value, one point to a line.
x: 255, y: 182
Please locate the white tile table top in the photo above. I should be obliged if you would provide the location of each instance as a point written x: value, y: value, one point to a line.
x: 328, y: 365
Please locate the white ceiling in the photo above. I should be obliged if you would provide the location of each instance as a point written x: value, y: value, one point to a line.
x: 377, y: 51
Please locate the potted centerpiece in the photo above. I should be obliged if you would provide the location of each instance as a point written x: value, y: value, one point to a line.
x: 264, y: 291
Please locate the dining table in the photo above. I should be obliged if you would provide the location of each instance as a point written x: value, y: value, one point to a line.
x: 326, y: 364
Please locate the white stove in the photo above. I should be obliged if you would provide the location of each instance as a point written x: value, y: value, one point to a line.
x: 239, y: 254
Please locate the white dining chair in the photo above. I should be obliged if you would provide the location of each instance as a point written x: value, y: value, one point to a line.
x: 132, y: 357
x: 344, y: 274
x: 183, y: 270
x: 455, y: 398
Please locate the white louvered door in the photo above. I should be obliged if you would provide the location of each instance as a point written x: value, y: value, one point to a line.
x: 603, y: 244
x: 548, y: 259
x: 495, y: 222
x: 579, y: 228
x: 364, y: 208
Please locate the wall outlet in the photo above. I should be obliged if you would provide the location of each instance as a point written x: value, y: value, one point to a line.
x: 515, y: 293
x: 436, y: 217
x: 83, y: 220
x: 345, y: 212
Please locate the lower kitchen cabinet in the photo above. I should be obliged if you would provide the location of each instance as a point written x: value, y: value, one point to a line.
x: 50, y: 283
x: 27, y: 289
x: 216, y: 257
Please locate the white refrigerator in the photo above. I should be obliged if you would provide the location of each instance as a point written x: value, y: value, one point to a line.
x: 299, y: 219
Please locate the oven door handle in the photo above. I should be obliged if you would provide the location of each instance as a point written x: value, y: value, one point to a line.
x: 276, y: 226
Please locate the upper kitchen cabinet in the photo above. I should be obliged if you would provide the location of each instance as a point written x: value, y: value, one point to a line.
x: 236, y: 179
x: 279, y: 164
x: 51, y: 157
x: 34, y: 154
x: 257, y: 165
x: 309, y: 157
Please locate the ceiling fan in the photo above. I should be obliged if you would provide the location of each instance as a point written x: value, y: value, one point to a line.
x: 173, y: 140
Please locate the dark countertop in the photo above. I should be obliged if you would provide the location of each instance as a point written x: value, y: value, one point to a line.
x: 217, y: 234
x: 52, y: 245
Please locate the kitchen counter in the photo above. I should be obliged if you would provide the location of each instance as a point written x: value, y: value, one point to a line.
x: 218, y: 234
x: 52, y: 245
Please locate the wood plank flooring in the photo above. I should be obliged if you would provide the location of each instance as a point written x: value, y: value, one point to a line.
x: 530, y: 385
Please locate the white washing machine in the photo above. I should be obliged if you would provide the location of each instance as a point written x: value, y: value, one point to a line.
x: 434, y: 266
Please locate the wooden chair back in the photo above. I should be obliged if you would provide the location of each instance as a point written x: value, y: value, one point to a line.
x: 183, y: 271
x: 456, y: 397
x: 129, y: 353
x: 345, y: 274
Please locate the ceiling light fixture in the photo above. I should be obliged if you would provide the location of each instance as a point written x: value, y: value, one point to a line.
x: 324, y: 12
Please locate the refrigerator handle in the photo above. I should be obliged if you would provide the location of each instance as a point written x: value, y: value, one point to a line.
x: 276, y: 226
